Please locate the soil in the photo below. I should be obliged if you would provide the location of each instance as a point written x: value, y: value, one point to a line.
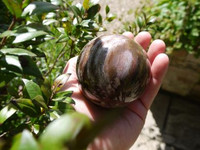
x: 123, y: 9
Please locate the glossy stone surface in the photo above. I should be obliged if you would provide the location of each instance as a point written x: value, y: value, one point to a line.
x: 113, y: 70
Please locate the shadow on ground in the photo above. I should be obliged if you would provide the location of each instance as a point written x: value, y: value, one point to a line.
x: 178, y: 119
x: 173, y: 123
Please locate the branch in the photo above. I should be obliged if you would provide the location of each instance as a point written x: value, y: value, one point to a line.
x: 62, y: 52
x: 4, y: 39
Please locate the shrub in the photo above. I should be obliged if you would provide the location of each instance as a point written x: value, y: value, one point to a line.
x: 176, y: 22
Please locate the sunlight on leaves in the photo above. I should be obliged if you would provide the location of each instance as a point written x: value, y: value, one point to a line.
x: 6, y: 112
x: 39, y: 8
x: 28, y: 36
x: 17, y: 51
x: 25, y: 141
x: 32, y: 88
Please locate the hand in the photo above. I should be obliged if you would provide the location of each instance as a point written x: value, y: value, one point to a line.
x: 123, y: 133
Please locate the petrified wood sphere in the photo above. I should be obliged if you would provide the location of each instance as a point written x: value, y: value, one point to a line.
x: 113, y: 70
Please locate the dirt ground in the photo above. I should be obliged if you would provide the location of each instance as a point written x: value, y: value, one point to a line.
x: 123, y: 9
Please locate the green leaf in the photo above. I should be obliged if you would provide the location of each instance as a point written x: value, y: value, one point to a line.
x: 14, y: 6
x: 69, y: 100
x: 152, y: 20
x: 107, y: 9
x: 38, y: 8
x: 6, y: 76
x: 100, y: 20
x: 178, y: 45
x: 7, y: 33
x: 13, y: 63
x: 46, y: 89
x: 62, y: 38
x: 60, y: 81
x: 29, y: 66
x: 17, y: 51
x: 13, y: 60
x: 110, y: 17
x: 64, y: 96
x: 57, y: 2
x: 36, y: 128
x: 27, y: 106
x: 76, y: 11
x: 54, y: 115
x: 140, y: 22
x: 90, y: 26
x: 92, y: 11
x: 39, y: 53
x: 24, y: 141
x: 195, y: 32
x: 6, y: 113
x: 61, y: 107
x: 89, y: 37
x: 36, y: 26
x: 49, y: 21
x: 86, y: 4
x: 32, y: 88
x: 86, y: 23
x: 41, y: 102
x: 25, y: 3
x: 64, y: 131
x: 28, y: 36
x: 69, y: 109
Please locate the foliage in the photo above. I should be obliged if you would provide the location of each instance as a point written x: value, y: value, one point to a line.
x: 37, y: 38
x: 176, y: 22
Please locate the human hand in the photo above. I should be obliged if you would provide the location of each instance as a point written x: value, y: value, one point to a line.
x: 123, y: 133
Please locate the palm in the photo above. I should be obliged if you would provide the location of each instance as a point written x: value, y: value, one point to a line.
x: 123, y: 133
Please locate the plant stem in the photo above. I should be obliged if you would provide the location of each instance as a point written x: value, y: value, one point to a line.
x: 62, y: 52
x: 71, y: 49
x: 4, y: 39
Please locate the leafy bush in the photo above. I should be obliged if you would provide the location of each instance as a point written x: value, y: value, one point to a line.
x: 176, y: 22
x: 34, y: 48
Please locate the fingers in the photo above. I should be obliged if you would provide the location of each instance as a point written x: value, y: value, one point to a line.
x: 157, y: 47
x: 128, y: 34
x: 144, y: 39
x: 158, y: 69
